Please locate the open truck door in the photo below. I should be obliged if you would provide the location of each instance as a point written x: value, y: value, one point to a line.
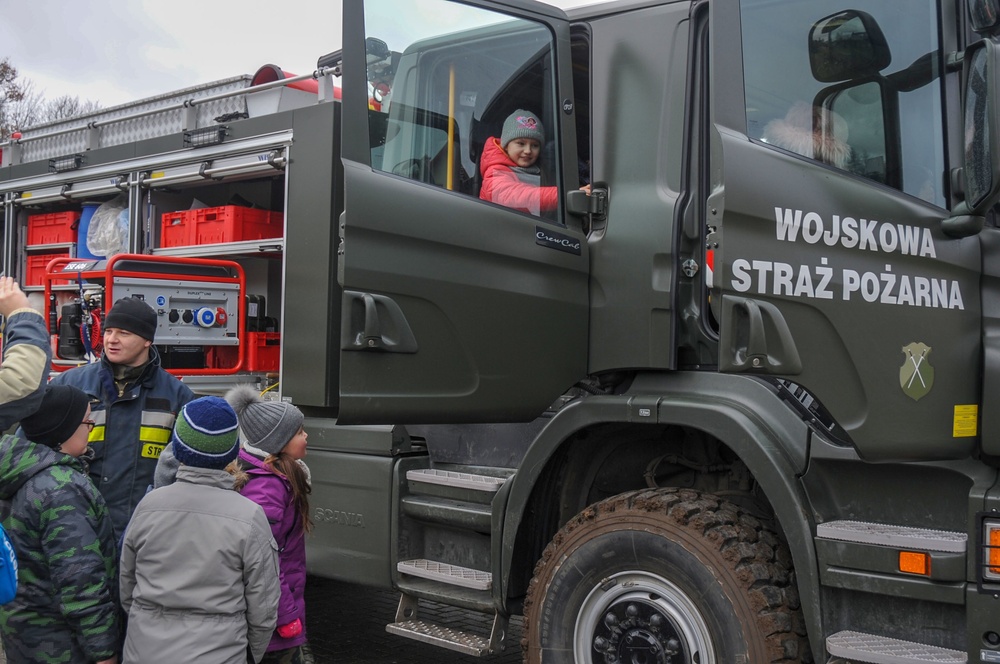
x: 839, y: 268
x: 455, y: 308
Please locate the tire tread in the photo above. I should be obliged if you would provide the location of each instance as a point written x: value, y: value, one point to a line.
x: 755, y: 553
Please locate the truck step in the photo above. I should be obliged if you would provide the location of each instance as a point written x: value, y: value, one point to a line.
x: 445, y: 573
x: 409, y: 625
x: 890, y: 535
x: 858, y: 647
x: 450, y: 478
x: 441, y: 636
x: 477, y: 517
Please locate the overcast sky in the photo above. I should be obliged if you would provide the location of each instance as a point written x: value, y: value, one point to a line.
x: 114, y: 52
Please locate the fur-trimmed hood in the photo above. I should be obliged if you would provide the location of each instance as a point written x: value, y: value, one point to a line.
x: 812, y: 132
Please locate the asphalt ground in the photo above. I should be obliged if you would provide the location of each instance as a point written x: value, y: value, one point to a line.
x: 346, y: 624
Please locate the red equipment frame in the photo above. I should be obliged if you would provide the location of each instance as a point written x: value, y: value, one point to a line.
x: 56, y: 269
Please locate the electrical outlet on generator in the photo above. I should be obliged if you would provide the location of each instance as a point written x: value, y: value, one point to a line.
x: 189, y: 313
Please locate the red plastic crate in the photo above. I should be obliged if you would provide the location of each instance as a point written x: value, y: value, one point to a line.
x: 263, y: 353
x: 229, y: 223
x: 176, y: 229
x: 35, y: 265
x: 53, y: 228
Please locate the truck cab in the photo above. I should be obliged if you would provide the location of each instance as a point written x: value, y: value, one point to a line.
x: 776, y: 291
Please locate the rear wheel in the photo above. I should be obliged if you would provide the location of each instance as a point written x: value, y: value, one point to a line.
x: 668, y: 576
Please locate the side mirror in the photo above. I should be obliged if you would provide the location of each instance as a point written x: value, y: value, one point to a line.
x: 376, y: 49
x: 984, y: 14
x: 981, y: 127
x: 847, y: 45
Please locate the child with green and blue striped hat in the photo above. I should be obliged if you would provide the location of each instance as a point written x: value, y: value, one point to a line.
x: 199, y: 569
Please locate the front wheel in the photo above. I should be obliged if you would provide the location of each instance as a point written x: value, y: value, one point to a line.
x: 667, y: 576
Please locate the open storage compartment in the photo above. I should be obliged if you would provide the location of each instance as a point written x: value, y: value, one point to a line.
x: 199, y: 304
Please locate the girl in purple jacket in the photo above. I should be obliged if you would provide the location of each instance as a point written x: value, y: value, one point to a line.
x: 275, y: 478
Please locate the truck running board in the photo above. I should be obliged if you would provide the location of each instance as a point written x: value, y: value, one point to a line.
x: 445, y: 573
x: 891, y: 535
x: 858, y: 647
x: 410, y: 626
x: 450, y: 478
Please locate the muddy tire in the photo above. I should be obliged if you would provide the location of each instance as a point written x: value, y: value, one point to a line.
x: 664, y: 577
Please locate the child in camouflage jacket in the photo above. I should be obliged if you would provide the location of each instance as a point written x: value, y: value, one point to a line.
x: 66, y: 605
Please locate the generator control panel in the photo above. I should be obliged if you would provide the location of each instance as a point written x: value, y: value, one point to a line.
x: 189, y: 313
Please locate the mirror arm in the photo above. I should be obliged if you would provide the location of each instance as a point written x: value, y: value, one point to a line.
x: 954, y: 61
x: 921, y: 72
x: 961, y: 223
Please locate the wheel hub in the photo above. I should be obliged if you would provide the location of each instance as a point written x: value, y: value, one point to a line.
x: 636, y: 633
x: 640, y: 618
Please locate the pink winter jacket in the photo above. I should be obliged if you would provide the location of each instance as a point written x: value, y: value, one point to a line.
x: 503, y: 185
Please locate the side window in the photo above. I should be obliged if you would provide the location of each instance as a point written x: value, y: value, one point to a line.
x: 462, y: 98
x: 858, y: 90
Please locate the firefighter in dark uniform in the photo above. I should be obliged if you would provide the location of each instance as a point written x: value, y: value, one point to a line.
x: 134, y: 402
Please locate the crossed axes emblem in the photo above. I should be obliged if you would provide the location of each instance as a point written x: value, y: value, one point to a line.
x: 916, y: 376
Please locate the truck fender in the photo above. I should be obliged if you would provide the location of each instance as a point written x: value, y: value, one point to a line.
x: 774, y: 449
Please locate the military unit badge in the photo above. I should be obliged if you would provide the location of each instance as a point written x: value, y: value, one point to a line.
x: 916, y: 376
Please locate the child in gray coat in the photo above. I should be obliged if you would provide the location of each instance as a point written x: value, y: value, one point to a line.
x: 199, y: 567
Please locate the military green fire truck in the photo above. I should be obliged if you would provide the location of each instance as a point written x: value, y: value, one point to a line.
x: 731, y: 405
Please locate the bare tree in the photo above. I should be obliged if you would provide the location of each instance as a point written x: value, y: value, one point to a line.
x: 10, y: 93
x: 22, y: 107
x: 26, y: 111
x: 64, y: 107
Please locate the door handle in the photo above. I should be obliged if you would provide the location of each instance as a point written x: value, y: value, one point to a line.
x: 371, y: 337
x: 374, y: 323
x: 756, y: 339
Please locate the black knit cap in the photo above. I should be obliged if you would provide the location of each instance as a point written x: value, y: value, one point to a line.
x: 58, y: 418
x: 133, y: 315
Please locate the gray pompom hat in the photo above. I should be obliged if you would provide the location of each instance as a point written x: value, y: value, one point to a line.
x: 267, y: 426
x: 522, y: 124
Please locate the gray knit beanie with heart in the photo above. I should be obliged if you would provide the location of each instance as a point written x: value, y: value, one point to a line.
x: 267, y: 426
x: 522, y: 124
